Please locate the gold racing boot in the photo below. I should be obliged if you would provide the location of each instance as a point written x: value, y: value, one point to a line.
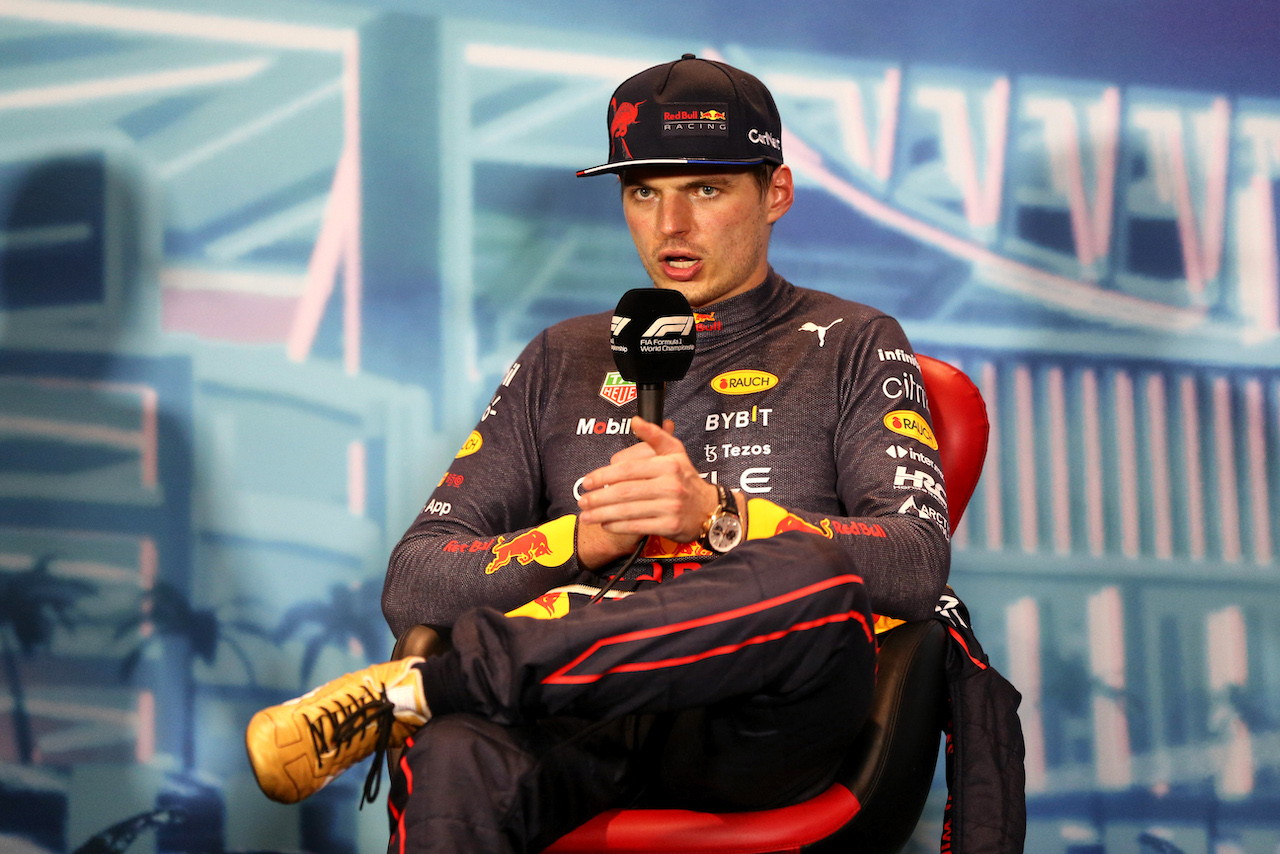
x: 297, y: 747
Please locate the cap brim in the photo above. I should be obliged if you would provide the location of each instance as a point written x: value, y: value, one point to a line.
x: 606, y: 168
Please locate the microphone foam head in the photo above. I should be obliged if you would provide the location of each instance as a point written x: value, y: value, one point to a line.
x: 652, y: 335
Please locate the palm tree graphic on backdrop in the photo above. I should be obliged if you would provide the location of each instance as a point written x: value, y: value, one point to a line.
x: 33, y: 604
x: 351, y: 617
x: 204, y: 631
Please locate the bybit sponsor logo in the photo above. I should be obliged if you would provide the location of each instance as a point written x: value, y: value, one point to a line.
x: 904, y: 422
x: 604, y: 426
x: 740, y: 418
x: 744, y: 382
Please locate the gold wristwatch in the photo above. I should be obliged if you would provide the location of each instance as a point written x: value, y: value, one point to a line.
x: 723, y: 528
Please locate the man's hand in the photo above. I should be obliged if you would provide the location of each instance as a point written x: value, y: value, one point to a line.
x: 649, y: 488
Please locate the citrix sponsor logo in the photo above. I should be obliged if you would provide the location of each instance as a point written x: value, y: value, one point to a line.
x: 437, y: 508
x: 905, y: 386
x: 764, y: 138
x: 740, y: 418
x: 922, y: 480
x: 897, y: 355
x: 604, y: 426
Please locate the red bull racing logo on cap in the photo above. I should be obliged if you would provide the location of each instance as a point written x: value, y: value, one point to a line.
x: 695, y: 120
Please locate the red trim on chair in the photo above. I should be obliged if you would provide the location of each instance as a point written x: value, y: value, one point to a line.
x: 784, y: 829
x: 561, y: 677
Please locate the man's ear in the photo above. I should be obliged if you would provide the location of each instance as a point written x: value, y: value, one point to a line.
x: 781, y: 193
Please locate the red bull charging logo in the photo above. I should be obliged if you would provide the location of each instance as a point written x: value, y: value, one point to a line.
x: 526, y: 548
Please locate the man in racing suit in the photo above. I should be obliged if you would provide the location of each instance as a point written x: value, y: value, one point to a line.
x: 723, y: 672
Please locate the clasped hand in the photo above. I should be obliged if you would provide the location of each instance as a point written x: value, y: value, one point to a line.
x: 648, y: 488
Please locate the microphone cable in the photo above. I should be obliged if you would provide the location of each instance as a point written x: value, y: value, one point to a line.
x: 608, y: 585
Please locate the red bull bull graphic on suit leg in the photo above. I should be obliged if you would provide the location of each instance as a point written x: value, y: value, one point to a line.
x: 549, y: 544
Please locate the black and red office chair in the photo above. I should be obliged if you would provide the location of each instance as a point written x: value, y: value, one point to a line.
x: 878, y: 797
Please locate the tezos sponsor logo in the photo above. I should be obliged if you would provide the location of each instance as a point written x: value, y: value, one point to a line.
x: 469, y: 447
x: 744, y: 382
x: 604, y: 426
x: 616, y: 390
x: 921, y: 480
x: 904, y: 422
x: 729, y: 450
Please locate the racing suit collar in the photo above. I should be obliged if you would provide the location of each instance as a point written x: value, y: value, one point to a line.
x: 745, y: 313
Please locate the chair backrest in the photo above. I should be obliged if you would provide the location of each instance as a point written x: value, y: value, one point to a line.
x: 961, y: 427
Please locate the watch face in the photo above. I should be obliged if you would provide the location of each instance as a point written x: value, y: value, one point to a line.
x: 725, y: 532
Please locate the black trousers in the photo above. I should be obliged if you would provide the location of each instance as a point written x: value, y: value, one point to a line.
x: 738, y: 686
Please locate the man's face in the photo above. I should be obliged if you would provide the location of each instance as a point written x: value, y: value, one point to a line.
x: 704, y: 233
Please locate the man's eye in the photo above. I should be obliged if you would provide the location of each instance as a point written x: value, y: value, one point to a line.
x: 708, y: 190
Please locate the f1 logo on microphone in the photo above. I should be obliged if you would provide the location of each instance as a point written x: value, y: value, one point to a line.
x: 618, y: 323
x: 675, y: 324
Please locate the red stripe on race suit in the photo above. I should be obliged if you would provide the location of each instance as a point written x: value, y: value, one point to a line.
x: 561, y: 677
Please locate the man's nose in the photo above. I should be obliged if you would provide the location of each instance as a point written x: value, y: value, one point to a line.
x: 674, y: 217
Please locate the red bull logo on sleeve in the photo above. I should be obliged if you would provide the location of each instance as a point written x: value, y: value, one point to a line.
x: 525, y: 548
x: 550, y: 544
x: 792, y: 522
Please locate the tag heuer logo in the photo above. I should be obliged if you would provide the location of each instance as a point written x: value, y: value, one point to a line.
x: 616, y: 390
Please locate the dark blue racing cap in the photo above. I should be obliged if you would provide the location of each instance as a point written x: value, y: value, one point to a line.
x: 691, y: 111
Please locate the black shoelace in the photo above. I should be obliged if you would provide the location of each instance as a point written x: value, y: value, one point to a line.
x: 348, y: 723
